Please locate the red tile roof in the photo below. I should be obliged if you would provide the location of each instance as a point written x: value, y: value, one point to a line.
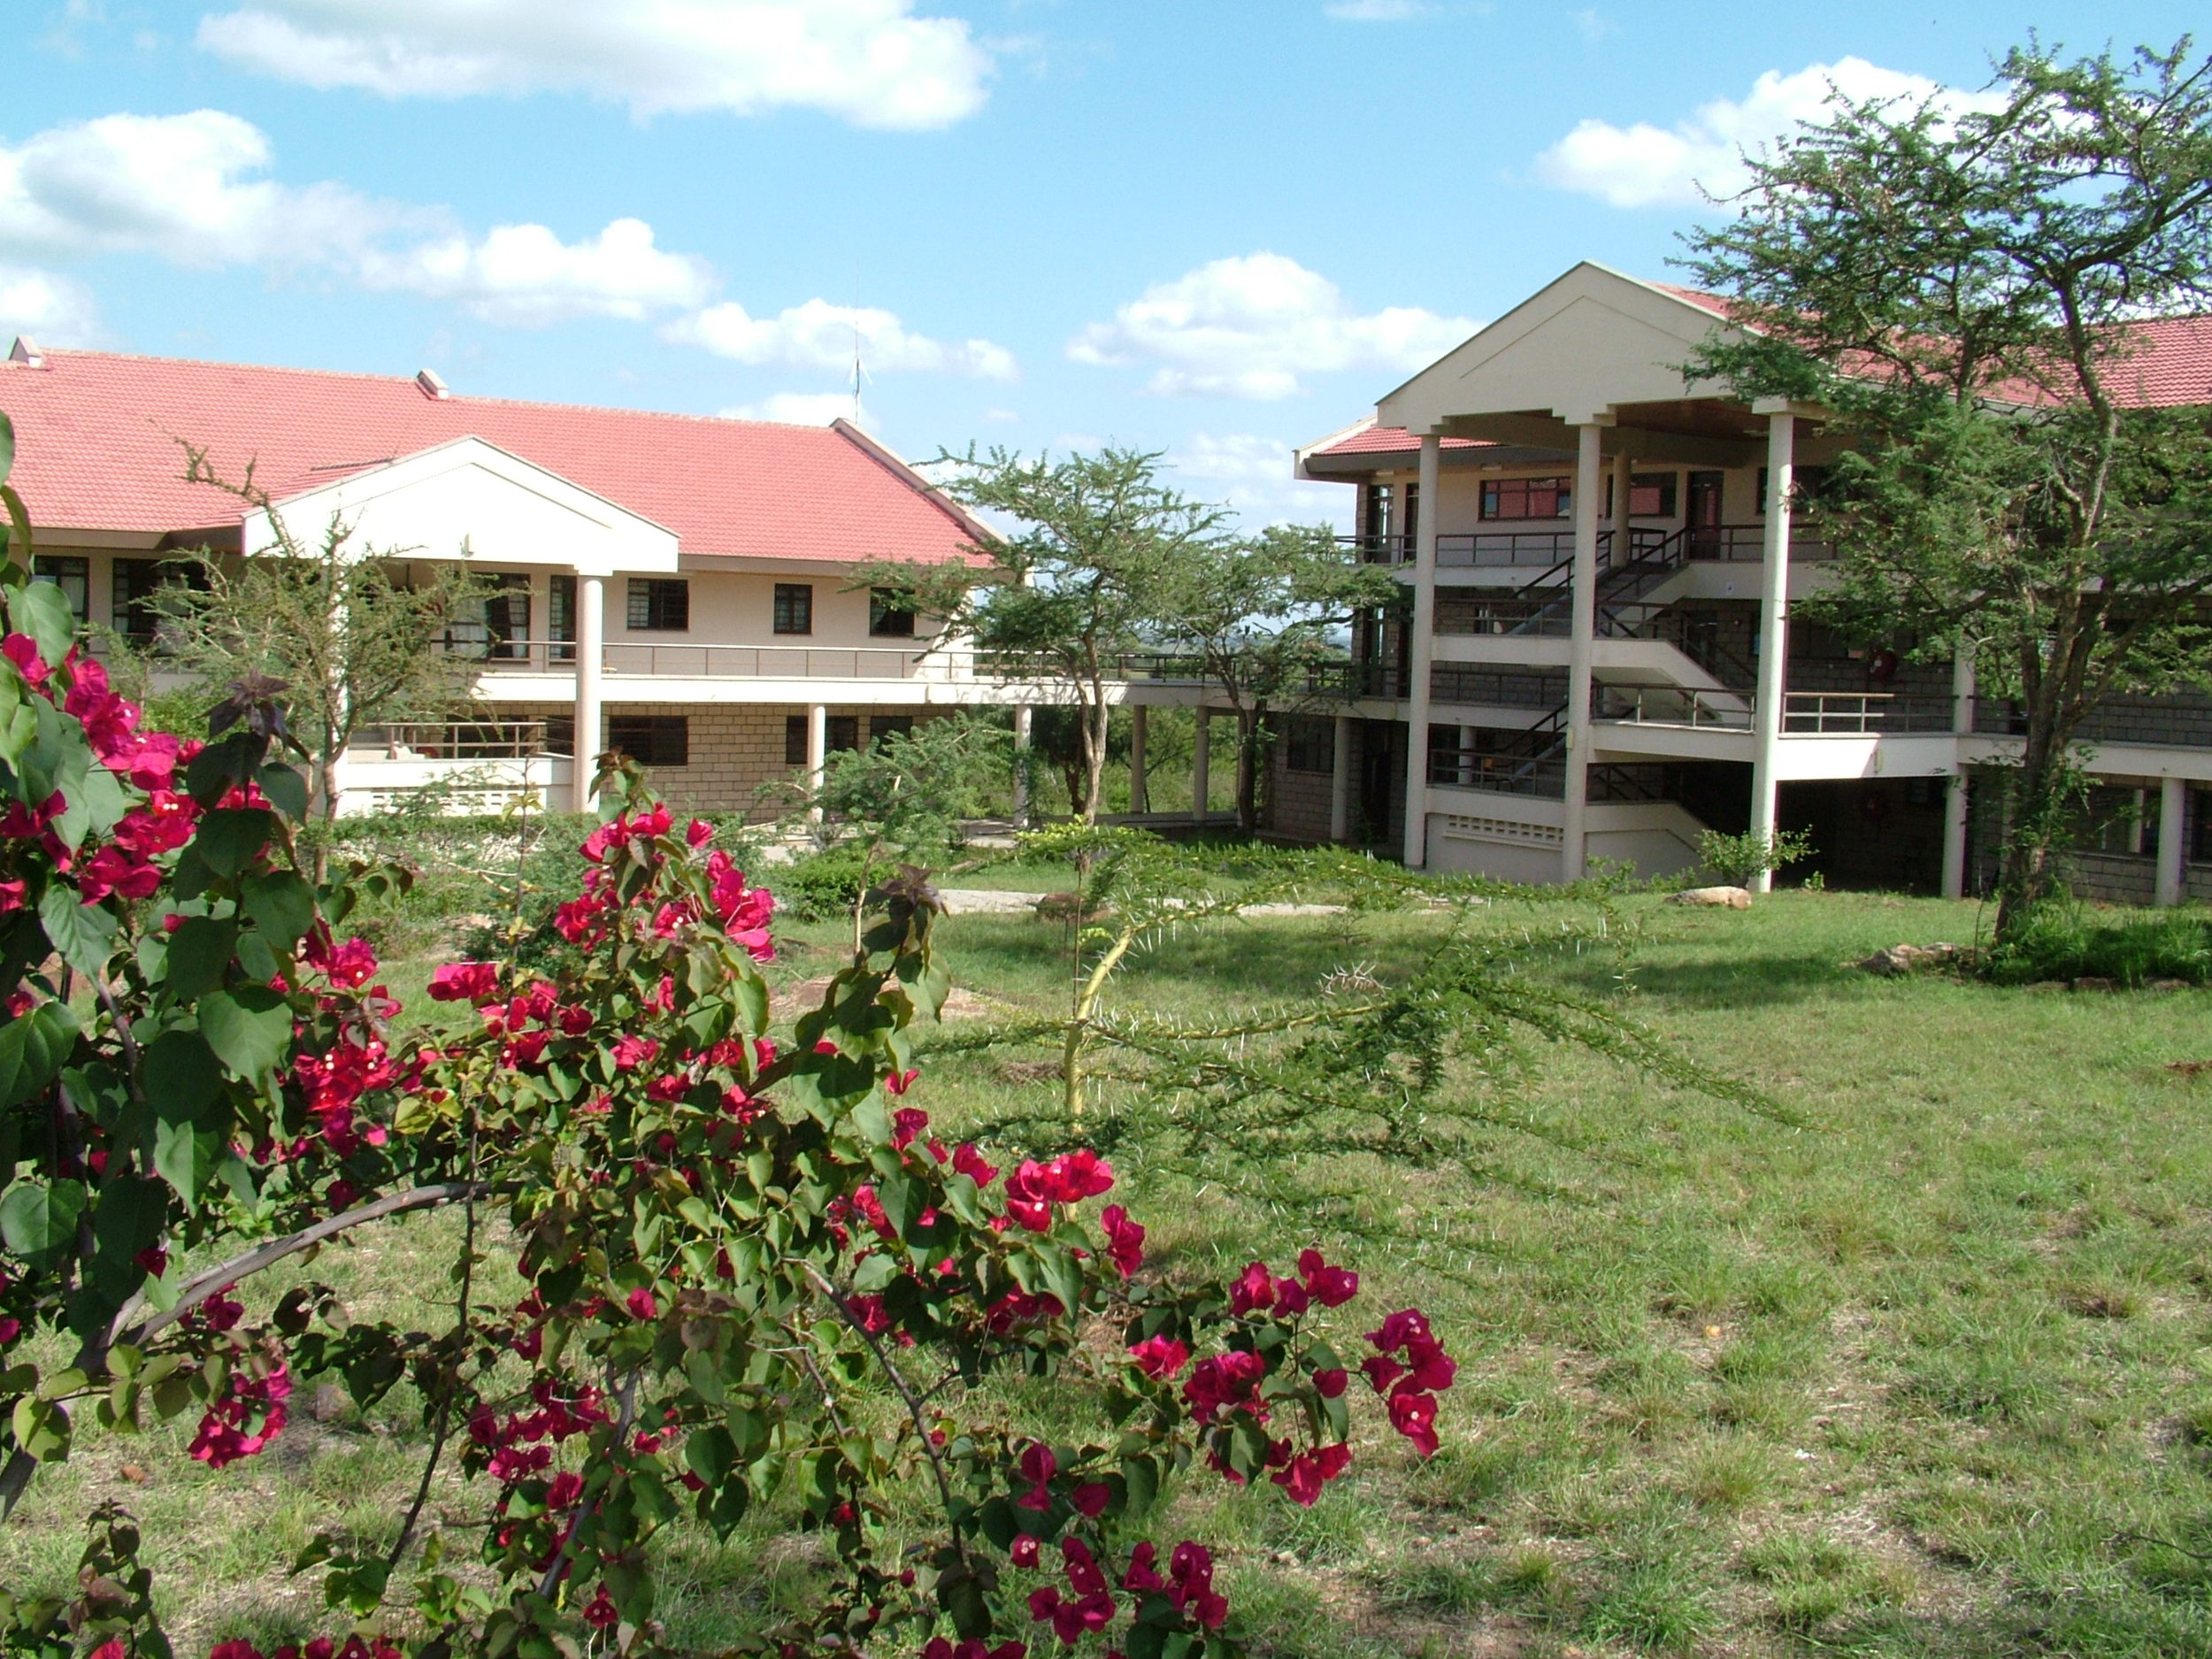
x: 96, y: 450
x: 1394, y: 441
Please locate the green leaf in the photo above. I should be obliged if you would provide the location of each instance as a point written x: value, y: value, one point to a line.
x: 16, y: 536
x: 96, y: 804
x: 128, y: 1220
x: 282, y: 904
x: 199, y: 951
x: 285, y: 788
x: 182, y: 1079
x: 188, y: 1159
x: 250, y: 1029
x: 82, y: 932
x: 33, y: 1049
x: 229, y: 839
x: 41, y: 611
x: 42, y: 1428
x: 7, y: 446
x: 39, y: 1222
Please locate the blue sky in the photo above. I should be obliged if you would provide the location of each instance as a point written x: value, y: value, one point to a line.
x: 1213, y: 227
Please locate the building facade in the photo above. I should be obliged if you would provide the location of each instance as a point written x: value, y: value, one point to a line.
x: 1597, y: 660
x: 676, y: 587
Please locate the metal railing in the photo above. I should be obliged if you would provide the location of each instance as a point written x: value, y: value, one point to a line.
x: 1670, y: 705
x: 1746, y: 544
x: 1504, y: 548
x: 1863, y: 713
x: 1544, y: 777
x: 2158, y: 722
x: 1496, y: 688
x: 697, y: 661
x: 450, y: 740
x: 1379, y: 550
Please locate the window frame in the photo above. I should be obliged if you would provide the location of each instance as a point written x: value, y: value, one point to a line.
x: 662, y: 734
x: 885, y: 620
x: 649, y: 597
x: 1495, y: 491
x: 48, y: 568
x: 1305, y: 735
x: 791, y: 610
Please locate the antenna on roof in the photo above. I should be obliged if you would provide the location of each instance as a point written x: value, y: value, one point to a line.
x: 431, y: 386
x: 859, y: 373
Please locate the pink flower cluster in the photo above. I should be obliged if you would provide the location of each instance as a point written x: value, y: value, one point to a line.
x: 744, y: 912
x: 249, y: 1414
x: 1189, y: 1584
x: 1410, y: 1382
x: 321, y: 1647
x: 1256, y: 1291
x: 510, y: 1441
x: 1033, y: 1189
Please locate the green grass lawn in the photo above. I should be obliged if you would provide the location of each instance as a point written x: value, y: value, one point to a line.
x: 1927, y: 1372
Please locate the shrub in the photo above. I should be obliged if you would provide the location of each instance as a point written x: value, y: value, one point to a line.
x: 2064, y: 941
x: 1740, y: 860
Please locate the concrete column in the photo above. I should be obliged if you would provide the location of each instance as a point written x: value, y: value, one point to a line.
x: 1624, y: 469
x: 1021, y: 768
x: 2173, y: 848
x: 1962, y: 689
x: 1341, y: 782
x: 817, y: 752
x: 591, y: 650
x: 1140, y: 793
x: 1416, y: 701
x: 1581, y: 645
x: 1774, y: 652
x: 1201, y: 758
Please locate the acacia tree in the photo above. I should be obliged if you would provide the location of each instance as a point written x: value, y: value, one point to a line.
x: 1075, y: 588
x: 351, y: 636
x: 1261, y: 613
x: 1965, y: 293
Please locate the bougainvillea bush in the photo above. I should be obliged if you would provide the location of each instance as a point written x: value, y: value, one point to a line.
x: 754, y: 1271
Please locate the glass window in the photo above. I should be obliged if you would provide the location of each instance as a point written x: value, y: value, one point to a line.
x: 73, y: 576
x: 651, y: 740
x: 1651, y: 495
x: 882, y: 726
x: 794, y: 611
x: 889, y: 617
x: 844, y: 732
x: 795, y: 740
x: 560, y: 621
x: 659, y: 604
x: 1308, y: 743
x: 507, y: 618
x: 134, y: 610
x: 1527, y: 497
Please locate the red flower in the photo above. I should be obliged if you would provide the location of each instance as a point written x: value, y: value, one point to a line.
x: 476, y: 982
x: 906, y: 1124
x: 967, y: 1161
x: 1142, y: 1575
x: 1331, y: 1287
x: 1024, y: 1550
x: 1091, y: 1499
x: 1125, y: 1239
x: 1413, y: 1414
x: 22, y: 650
x: 633, y: 1051
x: 1228, y: 1382
x: 641, y: 1304
x: 1329, y: 1384
x: 1160, y: 1357
x: 112, y: 870
x: 1254, y: 1290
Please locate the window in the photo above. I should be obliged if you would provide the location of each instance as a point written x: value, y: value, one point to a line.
x: 560, y: 619
x: 1527, y: 497
x: 889, y: 616
x: 795, y: 607
x: 1650, y: 495
x: 844, y: 732
x: 560, y: 735
x: 659, y: 604
x: 134, y: 610
x: 795, y: 740
x: 651, y: 740
x: 1308, y: 743
x: 882, y: 726
x: 507, y: 618
x: 73, y: 576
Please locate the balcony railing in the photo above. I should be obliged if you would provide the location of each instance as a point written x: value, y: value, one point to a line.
x: 1804, y: 713
x: 1379, y: 550
x: 679, y: 661
x: 1746, y: 544
x: 1670, y: 705
x: 450, y: 740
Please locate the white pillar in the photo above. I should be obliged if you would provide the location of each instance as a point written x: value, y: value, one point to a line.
x: 1624, y: 470
x: 1774, y: 649
x: 1589, y: 458
x: 816, y: 753
x: 591, y: 650
x: 1201, y: 758
x: 2173, y: 848
x: 1341, y: 782
x: 1140, y: 793
x: 1021, y: 765
x: 1428, y: 515
x: 1954, y: 799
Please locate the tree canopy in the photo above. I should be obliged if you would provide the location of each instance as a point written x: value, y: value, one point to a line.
x: 1963, y: 290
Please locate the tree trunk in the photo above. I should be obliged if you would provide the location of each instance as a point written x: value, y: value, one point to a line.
x: 2039, y: 805
x: 1247, y: 768
x: 1094, y: 716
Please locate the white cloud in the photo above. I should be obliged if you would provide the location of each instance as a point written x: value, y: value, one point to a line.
x: 524, y: 274
x: 871, y: 62
x: 1643, y: 166
x: 818, y: 334
x: 795, y: 409
x: 55, y: 311
x: 1254, y: 475
x: 1250, y: 326
x: 1593, y: 24
x: 1378, y: 10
